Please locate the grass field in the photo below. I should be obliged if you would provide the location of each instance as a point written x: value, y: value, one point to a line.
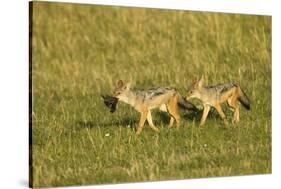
x: 79, y: 52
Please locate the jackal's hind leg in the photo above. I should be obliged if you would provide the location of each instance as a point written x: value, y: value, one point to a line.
x: 171, y: 124
x: 142, y: 121
x: 236, y: 115
x: 173, y: 111
x: 222, y: 115
x: 150, y: 122
x: 233, y: 103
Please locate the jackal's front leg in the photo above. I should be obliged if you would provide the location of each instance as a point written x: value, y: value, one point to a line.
x: 150, y: 122
x: 205, y: 114
x: 142, y: 121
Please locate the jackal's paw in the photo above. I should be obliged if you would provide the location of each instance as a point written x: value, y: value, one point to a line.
x: 157, y: 130
x: 170, y: 126
x: 234, y: 121
x: 225, y: 122
x: 178, y: 128
x: 201, y: 125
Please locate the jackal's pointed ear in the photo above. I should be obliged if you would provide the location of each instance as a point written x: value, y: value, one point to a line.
x: 120, y: 83
x: 201, y: 81
x: 192, y: 84
x: 194, y: 80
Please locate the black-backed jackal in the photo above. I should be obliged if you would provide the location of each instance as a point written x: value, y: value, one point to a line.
x: 164, y: 98
x: 213, y: 96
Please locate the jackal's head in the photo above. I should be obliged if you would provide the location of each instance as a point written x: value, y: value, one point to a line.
x: 122, y: 90
x: 195, y: 89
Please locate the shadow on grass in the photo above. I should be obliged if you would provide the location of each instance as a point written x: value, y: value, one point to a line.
x: 213, y: 117
x: 193, y: 116
x: 158, y: 118
x: 90, y: 124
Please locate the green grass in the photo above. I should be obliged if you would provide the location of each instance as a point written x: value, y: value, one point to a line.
x: 80, y: 51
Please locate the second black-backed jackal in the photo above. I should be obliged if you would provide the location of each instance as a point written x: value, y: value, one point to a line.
x: 213, y: 96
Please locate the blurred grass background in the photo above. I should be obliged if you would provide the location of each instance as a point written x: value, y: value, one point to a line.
x: 80, y: 51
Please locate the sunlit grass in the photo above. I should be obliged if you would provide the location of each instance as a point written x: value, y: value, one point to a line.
x: 80, y: 51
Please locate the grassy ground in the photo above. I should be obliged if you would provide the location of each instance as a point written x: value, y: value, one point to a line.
x: 79, y: 52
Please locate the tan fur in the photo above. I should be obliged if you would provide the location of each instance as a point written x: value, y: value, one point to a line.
x: 143, y: 103
x: 215, y: 96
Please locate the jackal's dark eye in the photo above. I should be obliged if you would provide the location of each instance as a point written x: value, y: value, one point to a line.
x: 115, y: 93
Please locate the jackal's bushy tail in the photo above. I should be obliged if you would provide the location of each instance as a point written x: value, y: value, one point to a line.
x: 243, y: 98
x: 183, y: 103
